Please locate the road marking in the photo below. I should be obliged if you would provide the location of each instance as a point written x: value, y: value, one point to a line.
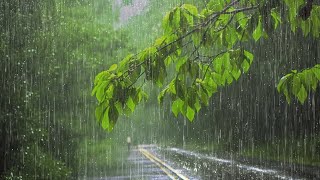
x: 162, y: 164
x: 159, y: 165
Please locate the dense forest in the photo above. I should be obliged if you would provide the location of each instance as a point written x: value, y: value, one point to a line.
x: 229, y: 77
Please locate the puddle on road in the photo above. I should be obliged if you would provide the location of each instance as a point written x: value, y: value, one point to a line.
x: 210, y: 167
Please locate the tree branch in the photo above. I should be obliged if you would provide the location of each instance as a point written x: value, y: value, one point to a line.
x: 210, y: 20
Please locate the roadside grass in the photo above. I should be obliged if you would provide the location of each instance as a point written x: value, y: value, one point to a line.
x: 101, y: 158
x: 295, y: 151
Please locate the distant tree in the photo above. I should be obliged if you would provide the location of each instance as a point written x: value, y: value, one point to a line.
x: 206, y: 49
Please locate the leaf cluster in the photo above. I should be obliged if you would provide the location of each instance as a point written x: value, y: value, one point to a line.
x: 298, y: 84
x: 205, y: 50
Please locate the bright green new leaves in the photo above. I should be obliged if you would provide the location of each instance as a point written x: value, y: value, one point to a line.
x: 190, y: 90
x: 204, y: 51
x: 299, y: 84
x: 177, y: 106
x: 190, y: 9
x: 113, y: 67
x: 190, y: 113
x: 186, y: 46
x: 178, y: 20
x: 258, y: 32
x: 215, y: 5
x: 242, y: 19
x: 276, y: 17
x: 115, y: 97
x: 228, y: 67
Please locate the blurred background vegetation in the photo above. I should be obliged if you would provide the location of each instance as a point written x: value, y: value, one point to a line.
x: 50, y: 52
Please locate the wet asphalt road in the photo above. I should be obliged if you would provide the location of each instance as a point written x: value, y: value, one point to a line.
x: 142, y: 168
x: 139, y: 167
x: 194, y: 166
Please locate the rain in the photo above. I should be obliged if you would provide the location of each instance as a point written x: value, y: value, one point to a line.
x: 148, y: 89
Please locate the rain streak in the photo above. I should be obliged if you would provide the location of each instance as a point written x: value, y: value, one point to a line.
x: 149, y: 89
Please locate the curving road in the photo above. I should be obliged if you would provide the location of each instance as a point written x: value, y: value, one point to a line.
x: 153, y: 162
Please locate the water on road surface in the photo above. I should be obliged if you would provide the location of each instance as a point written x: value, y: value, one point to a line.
x: 212, y: 167
x: 191, y: 165
x: 141, y: 167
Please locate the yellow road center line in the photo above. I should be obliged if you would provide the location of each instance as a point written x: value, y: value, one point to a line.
x: 158, y: 164
x: 163, y: 163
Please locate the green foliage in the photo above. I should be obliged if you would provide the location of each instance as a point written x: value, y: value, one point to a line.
x: 299, y: 84
x: 310, y: 25
x: 298, y: 151
x: 37, y: 164
x: 197, y: 77
x: 50, y: 50
x: 97, y: 158
x: 115, y: 97
x: 205, y: 47
x: 258, y: 31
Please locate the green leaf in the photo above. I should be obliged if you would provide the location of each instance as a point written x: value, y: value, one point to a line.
x: 100, y: 76
x: 211, y: 86
x: 217, y: 78
x: 296, y: 84
x: 189, y: 18
x: 302, y: 95
x: 161, y: 77
x: 105, y: 120
x: 231, y: 37
x: 282, y: 81
x: 305, y: 26
x: 215, y: 5
x: 257, y: 33
x: 113, y: 67
x: 190, y: 113
x: 245, y: 66
x: 242, y: 20
x: 217, y: 65
x: 248, y: 56
x: 176, y: 18
x: 131, y: 105
x: 166, y: 23
x: 276, y: 17
x: 168, y: 61
x: 285, y: 91
x: 160, y: 41
x: 316, y: 72
x: 172, y: 88
x: 180, y: 89
x: 236, y: 73
x: 176, y: 106
x: 191, y: 9
x: 100, y: 91
x: 196, y: 38
x: 99, y: 112
x: 123, y: 63
x: 180, y: 62
x: 161, y: 95
x: 113, y: 117
x: 203, y: 96
x: 197, y: 105
x: 119, y: 107
x: 191, y: 100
